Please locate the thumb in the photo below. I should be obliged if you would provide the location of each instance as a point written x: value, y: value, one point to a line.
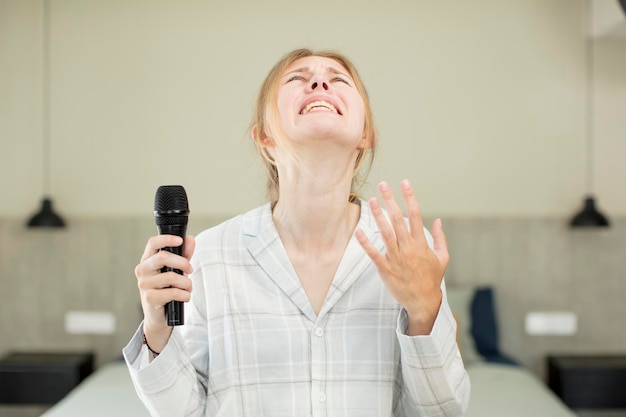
x: 440, y: 245
x: 190, y: 246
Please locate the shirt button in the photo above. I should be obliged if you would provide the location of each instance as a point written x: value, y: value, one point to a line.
x: 319, y: 332
x: 322, y: 397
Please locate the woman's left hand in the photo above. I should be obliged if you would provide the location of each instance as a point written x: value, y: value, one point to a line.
x: 409, y: 268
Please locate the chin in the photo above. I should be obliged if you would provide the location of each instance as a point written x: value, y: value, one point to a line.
x: 330, y: 130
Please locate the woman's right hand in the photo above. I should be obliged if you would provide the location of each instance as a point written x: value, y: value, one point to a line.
x: 158, y: 288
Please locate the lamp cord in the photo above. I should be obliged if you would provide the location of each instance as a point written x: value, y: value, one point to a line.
x: 590, y: 97
x: 46, y: 122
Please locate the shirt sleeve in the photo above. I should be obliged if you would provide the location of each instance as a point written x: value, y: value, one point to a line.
x: 169, y: 385
x: 435, y: 382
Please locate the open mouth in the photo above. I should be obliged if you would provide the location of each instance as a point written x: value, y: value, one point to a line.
x: 319, y: 105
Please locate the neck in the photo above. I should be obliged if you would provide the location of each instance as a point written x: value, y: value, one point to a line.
x: 313, y: 212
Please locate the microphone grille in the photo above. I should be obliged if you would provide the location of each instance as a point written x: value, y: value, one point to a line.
x: 171, y: 198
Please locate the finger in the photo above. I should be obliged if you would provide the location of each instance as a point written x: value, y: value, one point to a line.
x: 168, y: 279
x: 167, y: 259
x: 371, y: 250
x: 156, y: 243
x: 158, y: 298
x: 414, y: 212
x: 440, y: 245
x: 190, y: 246
x: 386, y: 232
x: 395, y: 213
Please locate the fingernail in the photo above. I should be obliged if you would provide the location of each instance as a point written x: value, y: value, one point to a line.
x: 374, y: 203
x: 383, y: 186
x: 405, y: 184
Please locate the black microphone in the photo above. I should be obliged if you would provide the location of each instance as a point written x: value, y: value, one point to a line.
x: 171, y: 212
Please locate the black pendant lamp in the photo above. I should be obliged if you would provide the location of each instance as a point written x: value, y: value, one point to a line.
x: 46, y: 217
x: 589, y: 217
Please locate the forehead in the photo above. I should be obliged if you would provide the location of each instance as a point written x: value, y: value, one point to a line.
x: 313, y: 63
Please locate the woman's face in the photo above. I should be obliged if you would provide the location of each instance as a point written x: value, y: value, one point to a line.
x: 318, y: 100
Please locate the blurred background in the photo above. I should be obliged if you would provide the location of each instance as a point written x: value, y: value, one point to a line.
x: 504, y: 115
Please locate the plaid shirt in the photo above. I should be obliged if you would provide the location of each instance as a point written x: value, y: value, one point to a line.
x: 253, y: 346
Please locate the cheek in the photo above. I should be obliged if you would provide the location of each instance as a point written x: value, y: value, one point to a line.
x: 359, y: 115
x: 284, y: 104
x: 284, y: 108
x: 357, y: 106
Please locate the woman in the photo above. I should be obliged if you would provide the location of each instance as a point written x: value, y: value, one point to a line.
x: 316, y: 303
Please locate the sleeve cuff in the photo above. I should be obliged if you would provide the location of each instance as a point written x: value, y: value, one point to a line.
x: 428, y: 350
x: 153, y: 375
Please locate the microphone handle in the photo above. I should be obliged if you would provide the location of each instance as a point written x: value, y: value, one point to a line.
x: 174, y: 310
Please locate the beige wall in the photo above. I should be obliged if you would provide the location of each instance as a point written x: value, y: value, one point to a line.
x: 481, y: 104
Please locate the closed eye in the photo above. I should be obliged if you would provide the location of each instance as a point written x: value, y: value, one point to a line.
x: 341, y: 80
x: 295, y: 78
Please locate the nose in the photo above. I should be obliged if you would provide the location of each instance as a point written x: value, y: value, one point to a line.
x: 319, y: 83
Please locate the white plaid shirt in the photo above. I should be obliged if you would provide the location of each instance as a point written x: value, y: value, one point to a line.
x: 253, y: 346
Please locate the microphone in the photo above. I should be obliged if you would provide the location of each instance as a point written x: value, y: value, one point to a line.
x: 171, y: 213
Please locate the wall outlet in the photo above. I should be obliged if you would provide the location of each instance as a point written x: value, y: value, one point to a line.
x: 89, y: 322
x: 554, y: 323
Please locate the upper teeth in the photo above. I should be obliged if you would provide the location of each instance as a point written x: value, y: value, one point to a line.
x: 319, y: 104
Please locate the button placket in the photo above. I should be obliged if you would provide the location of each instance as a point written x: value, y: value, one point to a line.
x: 318, y: 369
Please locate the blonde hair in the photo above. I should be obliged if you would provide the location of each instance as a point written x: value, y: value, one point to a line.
x: 266, y: 121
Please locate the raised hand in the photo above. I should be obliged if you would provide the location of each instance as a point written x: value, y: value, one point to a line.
x: 409, y: 268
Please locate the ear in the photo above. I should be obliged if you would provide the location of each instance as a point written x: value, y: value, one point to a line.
x: 368, y: 144
x: 263, y: 139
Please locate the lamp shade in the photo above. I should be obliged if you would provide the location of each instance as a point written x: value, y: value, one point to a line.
x: 589, y: 216
x: 46, y: 217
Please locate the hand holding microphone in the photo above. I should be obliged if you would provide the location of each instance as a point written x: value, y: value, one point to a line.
x: 171, y: 212
x: 162, y: 272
